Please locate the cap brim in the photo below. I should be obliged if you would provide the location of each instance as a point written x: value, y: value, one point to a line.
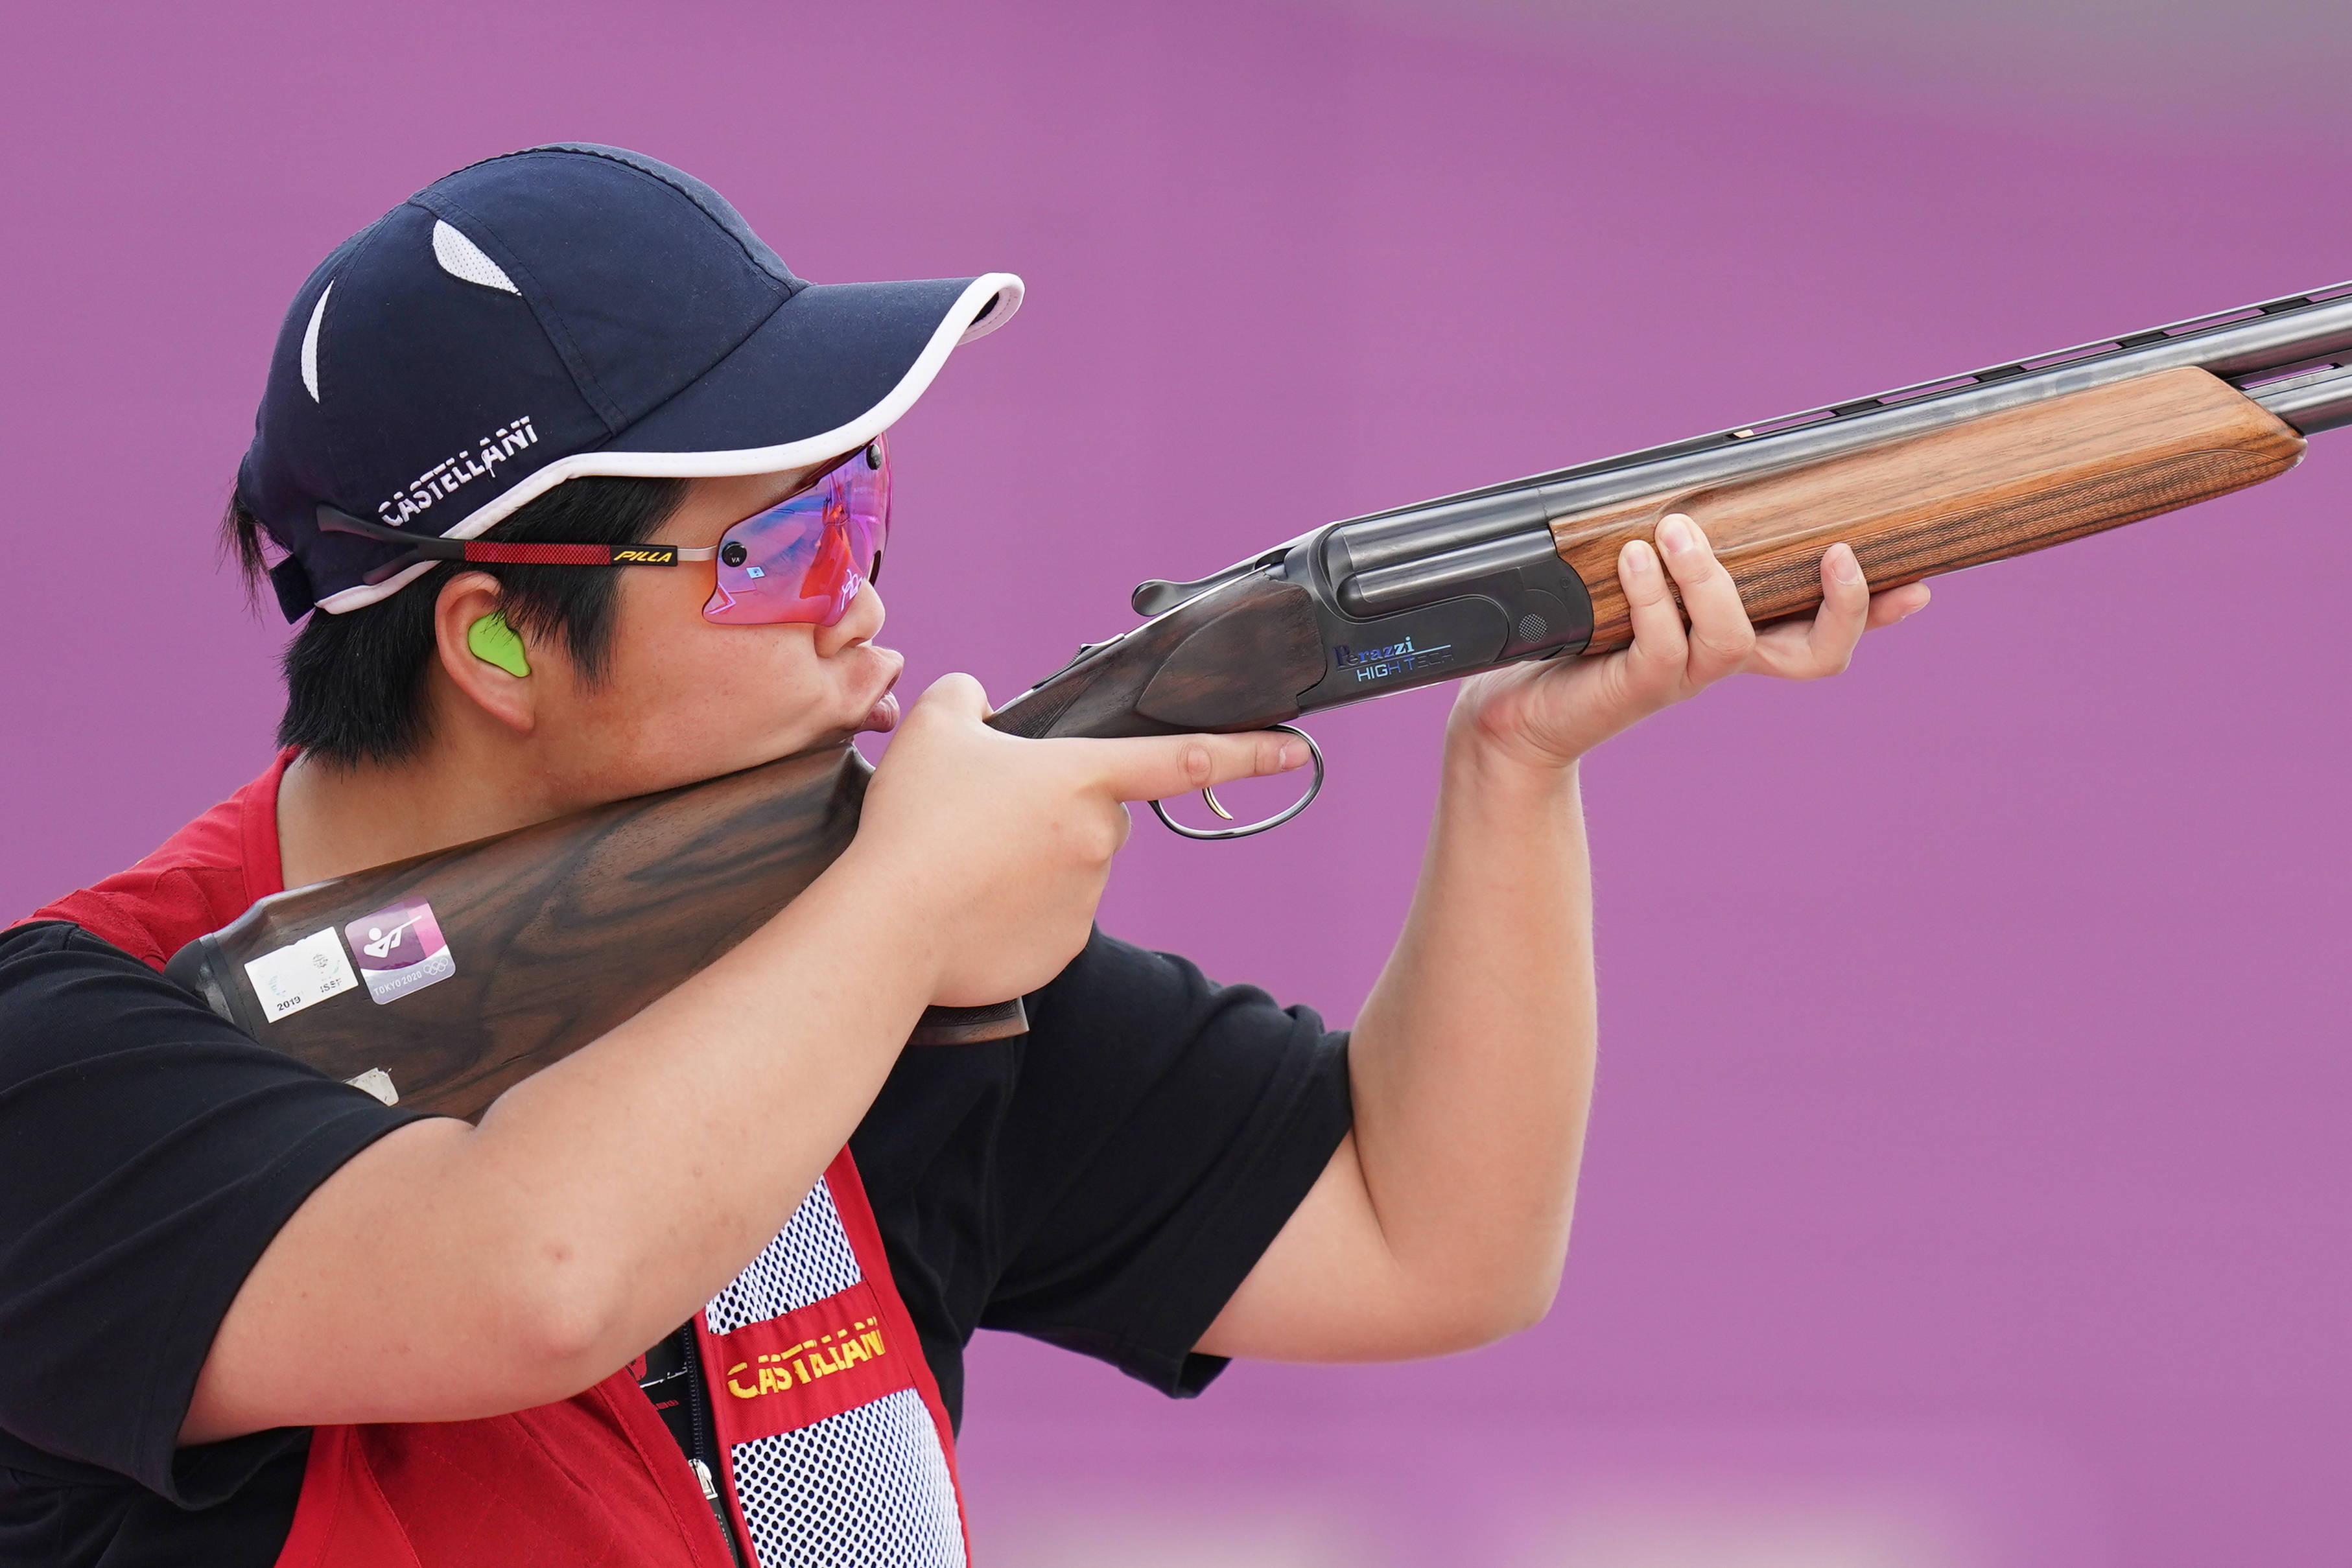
x: 828, y: 371
x: 831, y: 369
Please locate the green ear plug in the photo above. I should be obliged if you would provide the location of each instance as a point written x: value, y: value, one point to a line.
x: 493, y: 641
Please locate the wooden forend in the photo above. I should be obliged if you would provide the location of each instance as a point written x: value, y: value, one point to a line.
x: 2002, y: 485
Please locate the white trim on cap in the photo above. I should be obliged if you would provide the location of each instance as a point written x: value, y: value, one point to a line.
x: 461, y: 257
x: 310, y: 342
x: 960, y: 325
x: 1008, y: 302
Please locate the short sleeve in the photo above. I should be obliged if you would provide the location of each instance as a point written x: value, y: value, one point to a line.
x: 1163, y: 1131
x: 149, y: 1153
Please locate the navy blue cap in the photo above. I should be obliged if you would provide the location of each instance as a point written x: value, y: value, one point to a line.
x: 566, y: 310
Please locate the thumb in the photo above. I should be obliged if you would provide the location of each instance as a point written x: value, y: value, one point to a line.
x: 1155, y: 767
x: 959, y: 694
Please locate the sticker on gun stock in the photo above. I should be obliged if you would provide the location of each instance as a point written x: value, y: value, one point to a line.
x: 299, y: 974
x: 400, y: 950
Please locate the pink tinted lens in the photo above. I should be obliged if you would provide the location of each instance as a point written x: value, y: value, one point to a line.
x: 805, y: 558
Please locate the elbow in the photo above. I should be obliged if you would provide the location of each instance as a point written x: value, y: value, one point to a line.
x: 1509, y: 1307
x: 1491, y: 1308
x: 1523, y: 1283
x: 566, y: 1322
x: 1521, y: 1307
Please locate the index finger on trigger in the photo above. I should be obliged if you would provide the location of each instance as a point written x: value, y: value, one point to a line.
x: 1156, y: 766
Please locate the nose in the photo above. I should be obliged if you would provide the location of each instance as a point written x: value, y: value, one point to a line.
x: 861, y: 623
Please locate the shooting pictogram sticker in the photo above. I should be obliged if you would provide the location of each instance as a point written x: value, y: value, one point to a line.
x: 400, y: 949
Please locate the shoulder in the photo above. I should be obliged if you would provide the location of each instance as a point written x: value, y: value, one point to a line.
x: 107, y: 1067
x: 57, y: 976
x: 20, y: 943
x: 88, y: 1030
x: 40, y: 960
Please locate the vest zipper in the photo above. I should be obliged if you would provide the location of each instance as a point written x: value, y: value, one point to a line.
x: 706, y: 1442
x: 718, y: 1509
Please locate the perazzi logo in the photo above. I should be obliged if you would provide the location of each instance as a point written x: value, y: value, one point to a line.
x: 806, y: 1361
x: 1396, y: 659
x: 647, y: 555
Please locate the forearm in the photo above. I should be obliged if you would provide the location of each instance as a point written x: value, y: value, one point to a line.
x: 1442, y: 1220
x: 1472, y: 1061
x: 597, y: 1204
x: 668, y: 1153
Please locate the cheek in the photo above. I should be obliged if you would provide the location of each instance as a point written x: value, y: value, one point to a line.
x: 679, y: 684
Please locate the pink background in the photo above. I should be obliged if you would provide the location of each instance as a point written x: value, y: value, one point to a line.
x: 1967, y: 1186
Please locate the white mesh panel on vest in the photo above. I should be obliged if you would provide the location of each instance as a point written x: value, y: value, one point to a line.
x: 866, y: 1488
x: 809, y: 1259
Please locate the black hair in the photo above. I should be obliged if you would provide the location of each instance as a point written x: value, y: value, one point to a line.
x: 355, y: 681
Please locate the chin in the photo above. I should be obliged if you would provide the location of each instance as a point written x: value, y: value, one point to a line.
x: 812, y: 734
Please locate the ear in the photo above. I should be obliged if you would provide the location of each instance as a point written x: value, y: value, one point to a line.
x: 502, y: 686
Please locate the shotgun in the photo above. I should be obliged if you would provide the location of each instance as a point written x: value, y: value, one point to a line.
x: 483, y: 963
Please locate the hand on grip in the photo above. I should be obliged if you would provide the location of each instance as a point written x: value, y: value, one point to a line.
x: 999, y: 847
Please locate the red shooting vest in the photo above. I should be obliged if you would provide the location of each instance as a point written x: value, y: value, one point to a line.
x: 834, y: 1445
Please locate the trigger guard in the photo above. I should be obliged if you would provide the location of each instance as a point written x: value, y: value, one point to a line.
x: 1250, y: 828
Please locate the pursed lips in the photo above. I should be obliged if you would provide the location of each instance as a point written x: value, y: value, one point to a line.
x: 871, y: 715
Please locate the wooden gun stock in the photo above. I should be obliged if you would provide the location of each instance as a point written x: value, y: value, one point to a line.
x: 2002, y: 485
x: 557, y: 932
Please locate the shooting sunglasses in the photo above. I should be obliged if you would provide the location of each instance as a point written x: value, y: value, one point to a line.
x: 801, y: 560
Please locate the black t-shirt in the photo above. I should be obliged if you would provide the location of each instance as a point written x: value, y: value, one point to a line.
x: 1104, y: 1182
